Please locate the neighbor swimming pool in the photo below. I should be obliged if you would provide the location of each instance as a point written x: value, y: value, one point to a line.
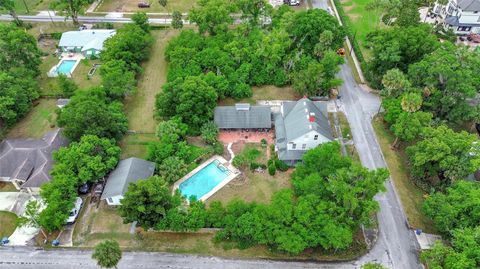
x: 205, y: 180
x: 66, y: 67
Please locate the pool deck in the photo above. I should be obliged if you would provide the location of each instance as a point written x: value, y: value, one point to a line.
x: 66, y: 56
x: 234, y: 172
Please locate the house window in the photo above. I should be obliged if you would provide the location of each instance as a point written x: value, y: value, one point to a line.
x: 304, y: 146
x: 450, y: 9
x: 110, y: 200
x: 294, y: 146
x: 315, y: 137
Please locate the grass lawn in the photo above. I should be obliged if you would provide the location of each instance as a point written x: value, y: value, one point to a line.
x: 140, y: 106
x: 252, y: 186
x: 7, y: 187
x: 363, y: 21
x: 135, y: 145
x: 33, y: 5
x: 8, y: 223
x: 105, y: 223
x: 131, y: 6
x: 268, y: 92
x: 37, y: 122
x: 410, y: 195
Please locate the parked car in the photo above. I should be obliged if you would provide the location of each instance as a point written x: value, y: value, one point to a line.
x: 143, y: 5
x: 84, y: 189
x: 75, y: 211
x: 292, y: 2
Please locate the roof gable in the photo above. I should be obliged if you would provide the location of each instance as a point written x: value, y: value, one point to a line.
x: 127, y: 171
x: 86, y: 39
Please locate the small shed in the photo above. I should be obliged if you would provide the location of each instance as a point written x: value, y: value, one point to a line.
x: 128, y: 171
x: 243, y: 116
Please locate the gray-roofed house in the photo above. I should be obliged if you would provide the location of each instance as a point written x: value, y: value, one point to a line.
x: 88, y: 42
x: 127, y: 171
x: 300, y: 126
x: 243, y: 116
x: 27, y: 162
x: 462, y: 16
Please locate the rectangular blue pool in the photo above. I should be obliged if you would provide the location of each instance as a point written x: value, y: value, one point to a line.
x: 203, y: 181
x: 66, y: 67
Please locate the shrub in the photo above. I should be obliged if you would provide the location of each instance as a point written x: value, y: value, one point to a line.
x: 218, y: 148
x: 239, y: 161
x: 272, y: 170
x: 264, y: 143
x: 281, y: 165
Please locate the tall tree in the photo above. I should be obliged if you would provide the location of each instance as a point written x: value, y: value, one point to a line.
x: 450, y: 74
x: 191, y: 99
x: 88, y: 160
x: 67, y: 86
x: 71, y: 8
x: 147, y: 202
x: 411, y: 102
x: 444, y: 156
x: 394, y: 83
x: 18, y: 49
x: 212, y: 16
x: 141, y: 19
x: 409, y: 126
x: 117, y: 80
x: 107, y: 253
x: 9, y: 5
x: 398, y: 47
x: 177, y: 22
x: 253, y: 9
x: 457, y: 208
x: 89, y: 113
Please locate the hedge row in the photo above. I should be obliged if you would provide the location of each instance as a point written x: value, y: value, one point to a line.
x: 348, y: 29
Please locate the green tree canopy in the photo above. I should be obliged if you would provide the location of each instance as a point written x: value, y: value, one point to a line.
x: 71, y: 8
x: 409, y: 126
x: 457, y: 208
x: 212, y: 16
x: 141, y: 19
x: 131, y: 44
x: 89, y: 160
x: 443, y: 155
x: 147, y: 202
x: 89, y: 113
x: 210, y: 133
x: 394, y: 83
x: 107, y: 253
x: 191, y: 99
x: 177, y: 22
x: 18, y: 49
x: 398, y: 47
x: 451, y: 74
x: 67, y: 86
x: 117, y: 80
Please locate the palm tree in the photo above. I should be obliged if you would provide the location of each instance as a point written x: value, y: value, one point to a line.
x: 107, y: 254
x: 411, y: 102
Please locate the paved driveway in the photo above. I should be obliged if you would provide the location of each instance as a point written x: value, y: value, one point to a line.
x: 15, y: 202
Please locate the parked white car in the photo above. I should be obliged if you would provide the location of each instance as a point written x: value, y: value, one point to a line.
x: 75, y: 211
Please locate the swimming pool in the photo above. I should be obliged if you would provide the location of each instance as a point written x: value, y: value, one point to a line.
x: 66, y: 67
x: 204, y: 180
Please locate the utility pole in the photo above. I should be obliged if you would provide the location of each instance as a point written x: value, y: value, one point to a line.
x: 26, y: 7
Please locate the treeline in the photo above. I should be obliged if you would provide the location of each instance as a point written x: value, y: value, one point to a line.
x: 427, y: 87
x: 223, y: 60
x: 94, y: 121
x: 19, y: 67
x: 332, y: 197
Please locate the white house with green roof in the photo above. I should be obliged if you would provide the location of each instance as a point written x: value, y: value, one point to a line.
x: 88, y: 42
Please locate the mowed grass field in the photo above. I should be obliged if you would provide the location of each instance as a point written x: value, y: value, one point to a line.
x: 32, y: 5
x: 8, y: 223
x: 132, y: 6
x: 363, y: 21
x: 411, y: 196
x: 39, y: 120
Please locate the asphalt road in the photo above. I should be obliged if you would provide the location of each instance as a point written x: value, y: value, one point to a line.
x: 395, y: 246
x: 83, y: 19
x: 28, y: 258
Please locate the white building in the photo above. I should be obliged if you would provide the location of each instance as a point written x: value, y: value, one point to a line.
x: 462, y: 16
x: 300, y: 126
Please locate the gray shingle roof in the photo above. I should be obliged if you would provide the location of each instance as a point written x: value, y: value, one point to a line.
x: 243, y: 116
x: 127, y: 171
x: 469, y: 5
x: 30, y: 160
x: 295, y: 121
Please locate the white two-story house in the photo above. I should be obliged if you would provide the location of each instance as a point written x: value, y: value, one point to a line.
x: 462, y: 16
x: 300, y: 126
